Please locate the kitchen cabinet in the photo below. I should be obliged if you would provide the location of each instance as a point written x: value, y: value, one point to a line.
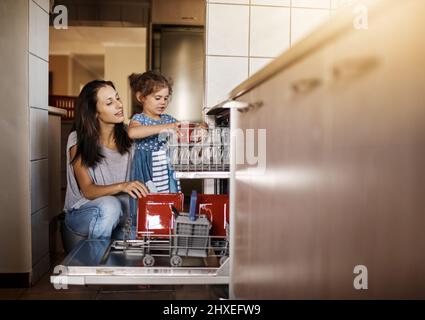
x: 342, y: 188
x: 182, y: 12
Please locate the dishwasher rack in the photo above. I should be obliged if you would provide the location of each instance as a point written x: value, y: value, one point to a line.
x: 155, y: 257
x: 199, y: 150
x: 164, y: 231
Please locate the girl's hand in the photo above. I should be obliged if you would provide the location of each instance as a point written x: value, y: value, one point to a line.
x: 200, y: 133
x: 173, y: 126
x: 135, y: 189
x: 203, y: 125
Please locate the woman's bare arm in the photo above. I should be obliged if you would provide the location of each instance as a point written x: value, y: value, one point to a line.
x: 92, y: 191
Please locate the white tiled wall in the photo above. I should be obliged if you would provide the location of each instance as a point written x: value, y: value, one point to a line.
x: 269, y: 31
x: 230, y: 1
x: 40, y: 234
x: 305, y: 20
x: 38, y: 29
x: 38, y: 82
x: 282, y: 3
x: 244, y: 35
x: 43, y: 4
x: 24, y: 181
x: 221, y: 35
x: 39, y: 123
x: 336, y: 4
x: 223, y: 74
x: 256, y: 64
x: 39, y: 185
x: 38, y: 105
x: 324, y: 4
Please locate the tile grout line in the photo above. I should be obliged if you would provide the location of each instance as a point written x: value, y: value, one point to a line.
x: 290, y: 24
x: 249, y: 38
x: 40, y: 7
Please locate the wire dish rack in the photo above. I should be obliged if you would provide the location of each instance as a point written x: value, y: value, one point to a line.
x: 163, y: 231
x: 191, y: 238
x: 200, y: 150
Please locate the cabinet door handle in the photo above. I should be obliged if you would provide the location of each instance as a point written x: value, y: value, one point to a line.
x: 354, y: 67
x: 243, y: 106
x: 188, y: 18
x: 306, y: 85
x: 250, y: 107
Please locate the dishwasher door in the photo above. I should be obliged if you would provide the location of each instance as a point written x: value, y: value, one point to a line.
x: 94, y: 262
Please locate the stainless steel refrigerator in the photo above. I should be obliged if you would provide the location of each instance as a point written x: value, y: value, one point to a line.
x: 178, y: 52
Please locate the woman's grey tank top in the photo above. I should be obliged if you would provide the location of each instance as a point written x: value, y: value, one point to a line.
x: 114, y: 168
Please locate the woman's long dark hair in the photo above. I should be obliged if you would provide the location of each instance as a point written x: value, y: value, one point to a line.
x: 87, y: 126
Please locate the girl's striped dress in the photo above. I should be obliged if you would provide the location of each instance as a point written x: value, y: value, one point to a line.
x: 150, y: 163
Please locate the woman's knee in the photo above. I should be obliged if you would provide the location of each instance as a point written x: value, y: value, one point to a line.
x: 110, y: 207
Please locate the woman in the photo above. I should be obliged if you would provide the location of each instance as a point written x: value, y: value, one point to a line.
x: 99, y: 155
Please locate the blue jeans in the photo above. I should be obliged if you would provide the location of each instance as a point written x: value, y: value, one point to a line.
x: 97, y: 218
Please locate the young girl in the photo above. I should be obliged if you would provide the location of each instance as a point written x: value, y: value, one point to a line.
x: 151, y: 164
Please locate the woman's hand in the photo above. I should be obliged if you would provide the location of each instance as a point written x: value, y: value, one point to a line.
x: 135, y: 189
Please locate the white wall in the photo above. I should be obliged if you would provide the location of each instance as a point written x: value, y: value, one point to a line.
x: 120, y: 62
x: 61, y: 68
x: 242, y: 36
x: 23, y: 137
x: 15, y: 228
x: 69, y: 75
x: 38, y: 103
x: 81, y: 75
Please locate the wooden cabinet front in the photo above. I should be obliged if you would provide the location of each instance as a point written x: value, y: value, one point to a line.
x: 180, y: 12
x: 344, y: 177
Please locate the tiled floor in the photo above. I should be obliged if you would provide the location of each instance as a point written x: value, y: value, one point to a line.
x: 44, y: 290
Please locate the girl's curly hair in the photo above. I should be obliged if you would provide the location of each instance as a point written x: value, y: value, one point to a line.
x: 149, y: 82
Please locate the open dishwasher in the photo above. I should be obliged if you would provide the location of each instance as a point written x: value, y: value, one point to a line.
x: 171, y: 246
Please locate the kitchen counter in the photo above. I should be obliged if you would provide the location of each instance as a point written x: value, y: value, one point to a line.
x: 57, y: 111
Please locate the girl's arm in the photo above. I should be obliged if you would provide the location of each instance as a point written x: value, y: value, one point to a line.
x: 92, y: 191
x: 138, y: 131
